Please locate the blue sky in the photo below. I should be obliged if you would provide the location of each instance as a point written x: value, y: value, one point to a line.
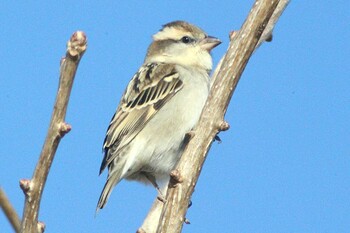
x: 284, y: 165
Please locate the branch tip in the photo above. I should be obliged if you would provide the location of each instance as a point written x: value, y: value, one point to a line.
x: 78, y: 36
x: 77, y: 44
x: 187, y: 221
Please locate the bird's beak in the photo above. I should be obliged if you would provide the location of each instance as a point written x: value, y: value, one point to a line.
x: 209, y: 43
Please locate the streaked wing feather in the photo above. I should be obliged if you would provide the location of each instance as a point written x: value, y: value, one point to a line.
x: 150, y: 88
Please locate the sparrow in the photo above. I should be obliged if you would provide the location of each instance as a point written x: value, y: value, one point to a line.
x: 162, y: 102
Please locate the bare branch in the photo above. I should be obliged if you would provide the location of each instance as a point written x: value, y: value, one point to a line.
x: 150, y: 223
x: 33, y: 188
x: 211, y: 122
x: 9, y: 211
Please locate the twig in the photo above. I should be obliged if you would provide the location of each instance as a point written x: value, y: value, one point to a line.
x: 33, y: 188
x: 9, y: 211
x: 211, y: 122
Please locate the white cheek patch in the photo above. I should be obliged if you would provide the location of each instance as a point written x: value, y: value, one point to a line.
x: 193, y: 57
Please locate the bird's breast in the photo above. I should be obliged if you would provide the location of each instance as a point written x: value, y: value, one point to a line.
x: 163, y: 135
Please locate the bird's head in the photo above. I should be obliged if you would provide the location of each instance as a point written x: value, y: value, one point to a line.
x: 184, y: 44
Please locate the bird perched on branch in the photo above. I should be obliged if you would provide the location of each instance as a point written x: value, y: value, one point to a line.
x: 162, y: 102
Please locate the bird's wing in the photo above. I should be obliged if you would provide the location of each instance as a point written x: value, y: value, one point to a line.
x: 151, y: 87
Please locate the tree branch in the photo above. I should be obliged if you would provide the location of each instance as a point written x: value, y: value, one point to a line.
x: 212, y: 119
x: 9, y: 211
x: 257, y: 28
x: 33, y: 188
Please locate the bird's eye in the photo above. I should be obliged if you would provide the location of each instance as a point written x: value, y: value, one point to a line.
x: 186, y: 39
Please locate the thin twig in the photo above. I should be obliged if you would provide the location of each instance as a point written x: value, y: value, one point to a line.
x: 9, y: 211
x: 33, y: 188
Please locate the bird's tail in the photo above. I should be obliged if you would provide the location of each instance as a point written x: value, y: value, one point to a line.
x: 112, y: 180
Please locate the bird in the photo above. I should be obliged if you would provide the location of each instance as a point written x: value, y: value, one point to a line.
x: 161, y: 104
